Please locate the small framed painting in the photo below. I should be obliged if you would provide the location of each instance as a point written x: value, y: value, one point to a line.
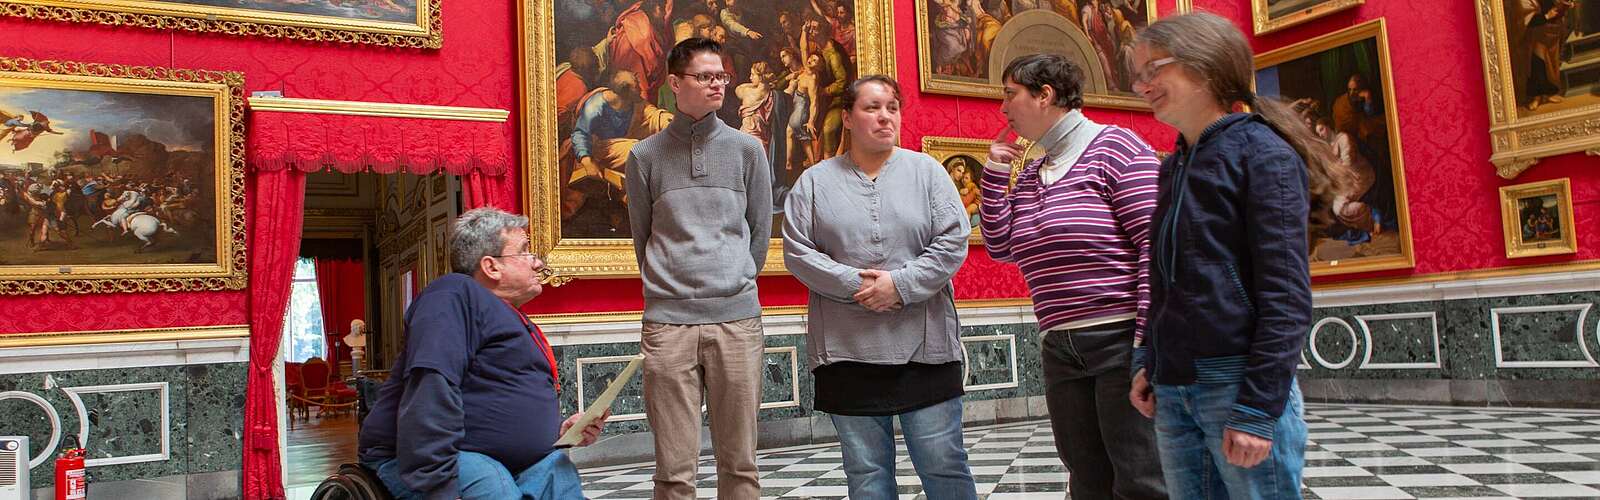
x: 1538, y: 219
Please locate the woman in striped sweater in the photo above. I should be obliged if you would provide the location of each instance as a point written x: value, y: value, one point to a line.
x: 1077, y: 223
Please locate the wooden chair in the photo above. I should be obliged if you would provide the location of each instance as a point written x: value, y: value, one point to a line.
x: 314, y: 382
x: 294, y: 389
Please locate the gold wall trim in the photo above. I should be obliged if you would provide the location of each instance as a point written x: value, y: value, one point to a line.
x: 631, y: 316
x: 125, y: 336
x: 1503, y: 272
x: 383, y: 109
x: 424, y: 31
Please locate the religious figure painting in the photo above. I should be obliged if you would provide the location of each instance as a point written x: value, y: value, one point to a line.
x: 120, y: 178
x: 1340, y: 85
x: 1274, y: 15
x: 1542, y: 69
x: 1538, y: 219
x: 963, y: 159
x: 401, y: 23
x: 596, y: 81
x: 963, y: 46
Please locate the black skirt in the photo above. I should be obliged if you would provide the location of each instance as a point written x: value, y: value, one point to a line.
x: 869, y: 390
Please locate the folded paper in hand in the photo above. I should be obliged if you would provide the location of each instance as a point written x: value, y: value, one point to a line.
x: 574, y: 435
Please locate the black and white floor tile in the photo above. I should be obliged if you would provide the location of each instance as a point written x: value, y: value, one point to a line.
x: 1356, y: 452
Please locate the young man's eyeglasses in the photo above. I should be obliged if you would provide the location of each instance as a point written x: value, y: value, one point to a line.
x: 708, y: 78
x: 1144, y: 75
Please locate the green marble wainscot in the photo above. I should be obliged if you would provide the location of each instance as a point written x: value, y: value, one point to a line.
x: 215, y: 417
x: 603, y: 362
x: 1548, y: 337
x: 1400, y: 336
x: 990, y: 351
x: 129, y: 422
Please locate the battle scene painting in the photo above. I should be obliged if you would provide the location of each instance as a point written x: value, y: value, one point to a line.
x: 99, y: 178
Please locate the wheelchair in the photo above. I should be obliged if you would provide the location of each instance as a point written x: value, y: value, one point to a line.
x: 352, y: 482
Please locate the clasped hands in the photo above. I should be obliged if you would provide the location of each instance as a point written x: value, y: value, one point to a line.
x: 877, y: 292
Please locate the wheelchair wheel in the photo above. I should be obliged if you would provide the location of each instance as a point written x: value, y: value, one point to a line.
x: 352, y: 482
x: 339, y: 487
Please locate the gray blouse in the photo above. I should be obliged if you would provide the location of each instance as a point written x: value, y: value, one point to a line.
x: 909, y: 222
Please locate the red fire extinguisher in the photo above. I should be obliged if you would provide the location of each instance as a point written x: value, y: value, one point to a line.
x: 71, y: 481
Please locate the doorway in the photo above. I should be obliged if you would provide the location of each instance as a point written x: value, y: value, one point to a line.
x: 370, y: 243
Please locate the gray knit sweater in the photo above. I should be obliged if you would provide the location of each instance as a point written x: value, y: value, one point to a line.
x: 700, y: 204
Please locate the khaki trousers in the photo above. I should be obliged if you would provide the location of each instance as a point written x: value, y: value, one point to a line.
x: 723, y: 360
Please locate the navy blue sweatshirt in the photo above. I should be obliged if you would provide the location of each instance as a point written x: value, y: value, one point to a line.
x: 471, y: 378
x: 1230, y: 281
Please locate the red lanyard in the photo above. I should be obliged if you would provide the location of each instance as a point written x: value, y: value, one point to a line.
x: 542, y: 343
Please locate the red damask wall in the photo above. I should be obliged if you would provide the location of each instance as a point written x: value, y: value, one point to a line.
x: 476, y: 68
x: 1438, y: 82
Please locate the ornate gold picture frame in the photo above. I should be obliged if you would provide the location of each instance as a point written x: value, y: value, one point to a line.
x: 1537, y: 217
x: 963, y: 45
x: 395, y: 23
x: 1340, y: 83
x: 1542, y: 99
x: 120, y: 178
x: 565, y: 64
x: 1274, y: 15
x: 963, y: 159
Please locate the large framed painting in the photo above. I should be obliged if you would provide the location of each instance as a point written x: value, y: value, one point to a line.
x: 1274, y: 15
x: 1340, y: 85
x: 592, y: 60
x: 1543, y: 77
x: 120, y: 178
x: 963, y: 46
x: 397, y: 23
x: 1538, y: 219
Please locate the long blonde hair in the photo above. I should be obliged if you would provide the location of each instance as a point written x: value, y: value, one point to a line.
x: 1214, y: 49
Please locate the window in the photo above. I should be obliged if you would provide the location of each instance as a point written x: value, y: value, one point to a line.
x: 302, y: 323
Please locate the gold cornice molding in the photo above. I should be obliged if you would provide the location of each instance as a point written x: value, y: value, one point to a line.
x: 1503, y: 272
x: 383, y: 109
x: 176, y: 334
x: 631, y: 316
x: 1528, y: 270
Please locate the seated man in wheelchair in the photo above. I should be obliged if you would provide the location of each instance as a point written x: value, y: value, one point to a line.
x: 470, y: 409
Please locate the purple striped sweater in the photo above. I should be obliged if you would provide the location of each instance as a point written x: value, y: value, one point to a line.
x: 1083, y: 242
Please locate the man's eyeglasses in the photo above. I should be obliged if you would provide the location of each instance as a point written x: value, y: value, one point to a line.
x: 545, y: 272
x: 709, y: 78
x: 1150, y: 69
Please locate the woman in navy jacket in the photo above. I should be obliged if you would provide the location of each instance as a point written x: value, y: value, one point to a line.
x: 1229, y: 279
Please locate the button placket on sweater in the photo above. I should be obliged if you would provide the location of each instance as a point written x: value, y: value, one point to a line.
x: 697, y: 162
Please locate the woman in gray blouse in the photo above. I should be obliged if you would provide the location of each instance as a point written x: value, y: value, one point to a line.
x: 876, y: 233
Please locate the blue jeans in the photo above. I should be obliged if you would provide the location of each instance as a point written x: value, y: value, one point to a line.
x: 933, y: 437
x: 481, y: 477
x: 1190, y: 421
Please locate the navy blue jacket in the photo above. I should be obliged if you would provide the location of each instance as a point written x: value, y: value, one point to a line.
x: 1230, y: 284
x: 470, y: 378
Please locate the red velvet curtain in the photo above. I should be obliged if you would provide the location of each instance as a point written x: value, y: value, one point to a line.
x: 276, y: 215
x: 341, y: 284
x: 481, y: 189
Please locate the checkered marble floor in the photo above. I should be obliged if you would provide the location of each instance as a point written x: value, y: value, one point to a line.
x: 1356, y: 452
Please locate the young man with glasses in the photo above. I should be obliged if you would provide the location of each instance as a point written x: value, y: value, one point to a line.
x: 700, y: 207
